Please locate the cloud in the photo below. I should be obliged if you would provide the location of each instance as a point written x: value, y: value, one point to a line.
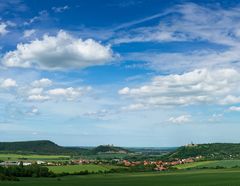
x: 60, y: 9
x: 100, y: 114
x: 187, y: 61
x: 13, y: 6
x: 69, y: 93
x: 136, y: 22
x: 134, y: 107
x: 58, y: 52
x: 8, y: 83
x: 28, y: 33
x: 42, y: 90
x: 3, y: 29
x: 216, y: 27
x: 42, y: 16
x: 180, y: 119
x: 44, y: 82
x: 151, y: 35
x: 33, y: 111
x: 187, y: 22
x: 216, y: 117
x: 124, y: 91
x: 10, y: 23
x: 38, y: 97
x: 234, y: 108
x: 230, y: 99
x: 201, y: 86
x: 35, y: 91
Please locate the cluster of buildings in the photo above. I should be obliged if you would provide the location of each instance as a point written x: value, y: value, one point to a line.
x: 160, y: 165
x: 17, y: 163
x: 82, y: 161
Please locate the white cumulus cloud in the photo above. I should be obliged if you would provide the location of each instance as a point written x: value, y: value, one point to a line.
x: 195, y: 87
x: 38, y: 97
x: 44, y: 82
x: 62, y: 51
x: 69, y: 93
x: 8, y: 83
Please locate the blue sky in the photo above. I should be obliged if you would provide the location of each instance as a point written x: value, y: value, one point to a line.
x: 129, y: 73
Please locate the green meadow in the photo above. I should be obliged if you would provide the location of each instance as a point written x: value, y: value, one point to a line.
x: 13, y: 157
x: 79, y: 168
x: 220, y: 177
x: 210, y: 164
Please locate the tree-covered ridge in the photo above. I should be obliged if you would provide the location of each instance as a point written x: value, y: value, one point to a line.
x: 208, y: 151
x: 109, y: 149
x: 49, y: 147
x: 33, y: 146
x: 38, y: 147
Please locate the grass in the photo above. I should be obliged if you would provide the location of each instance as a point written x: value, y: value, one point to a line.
x: 220, y: 177
x: 193, y: 165
x: 14, y: 157
x: 210, y: 164
x: 104, y: 156
x: 78, y: 168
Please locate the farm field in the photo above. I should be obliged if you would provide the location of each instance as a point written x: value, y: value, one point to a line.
x: 222, y: 177
x: 104, y: 156
x: 14, y: 157
x: 210, y: 164
x: 78, y: 168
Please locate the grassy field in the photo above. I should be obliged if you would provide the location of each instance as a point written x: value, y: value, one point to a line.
x: 103, y: 156
x: 13, y: 157
x: 78, y: 168
x: 210, y: 164
x: 222, y: 177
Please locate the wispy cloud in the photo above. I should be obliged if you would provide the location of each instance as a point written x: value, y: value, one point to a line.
x: 3, y: 29
x: 13, y: 6
x: 234, y: 108
x: 60, y: 9
x: 180, y: 119
x: 28, y: 33
x: 187, y: 22
x: 42, y: 16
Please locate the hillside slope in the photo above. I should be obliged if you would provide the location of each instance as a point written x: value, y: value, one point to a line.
x: 49, y: 147
x: 108, y: 149
x: 38, y: 147
x: 209, y: 151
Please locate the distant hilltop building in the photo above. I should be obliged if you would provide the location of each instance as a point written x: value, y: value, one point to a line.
x: 191, y: 145
x: 110, y: 145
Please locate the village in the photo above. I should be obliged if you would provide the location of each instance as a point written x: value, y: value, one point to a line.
x: 158, y: 165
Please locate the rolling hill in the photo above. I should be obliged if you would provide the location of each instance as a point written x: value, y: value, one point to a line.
x: 213, y: 151
x: 49, y: 147
x: 209, y: 151
x: 38, y: 147
x: 109, y: 149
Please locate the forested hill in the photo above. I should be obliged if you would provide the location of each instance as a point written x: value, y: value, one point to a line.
x: 38, y: 147
x: 109, y: 149
x: 209, y: 151
x: 49, y: 147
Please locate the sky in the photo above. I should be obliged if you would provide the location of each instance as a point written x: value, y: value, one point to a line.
x: 143, y: 73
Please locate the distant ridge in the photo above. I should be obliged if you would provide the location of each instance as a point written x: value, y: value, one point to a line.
x: 38, y: 147
x: 109, y: 149
x: 49, y: 147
